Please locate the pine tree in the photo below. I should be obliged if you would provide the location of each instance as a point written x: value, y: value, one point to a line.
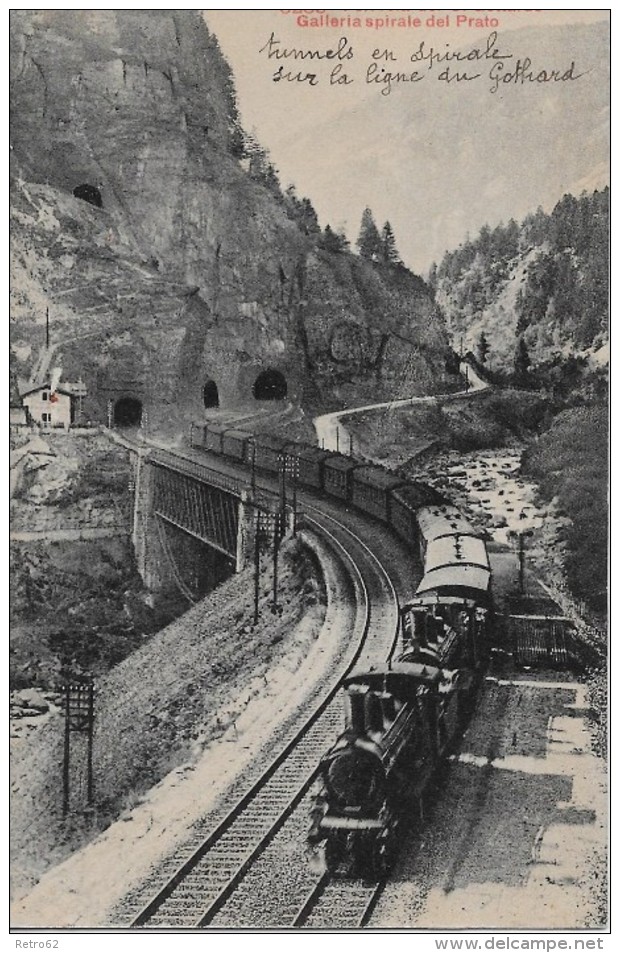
x: 369, y: 242
x: 389, y: 253
x: 334, y: 241
x: 522, y: 361
x: 433, y: 276
x: 309, y: 220
x: 483, y: 348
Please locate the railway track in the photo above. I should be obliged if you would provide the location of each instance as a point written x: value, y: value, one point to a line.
x: 196, y: 885
x: 345, y: 904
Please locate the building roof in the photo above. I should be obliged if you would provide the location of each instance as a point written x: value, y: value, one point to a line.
x: 30, y: 389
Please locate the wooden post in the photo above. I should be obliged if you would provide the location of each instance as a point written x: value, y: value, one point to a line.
x: 295, y: 469
x: 256, y: 567
x: 276, y: 546
x: 91, y: 728
x: 282, y: 482
x: 65, y: 760
x: 521, y: 564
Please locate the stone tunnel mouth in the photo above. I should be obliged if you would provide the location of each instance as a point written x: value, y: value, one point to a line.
x: 128, y: 412
x: 270, y: 385
x: 210, y: 395
x: 89, y: 193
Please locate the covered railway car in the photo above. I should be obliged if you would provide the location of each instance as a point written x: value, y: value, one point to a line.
x: 265, y: 452
x: 234, y: 444
x: 457, y: 565
x: 371, y: 490
x: 407, y: 500
x: 213, y: 437
x: 310, y: 462
x: 445, y: 520
x: 338, y: 476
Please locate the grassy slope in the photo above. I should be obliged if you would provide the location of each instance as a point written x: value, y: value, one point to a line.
x: 159, y: 708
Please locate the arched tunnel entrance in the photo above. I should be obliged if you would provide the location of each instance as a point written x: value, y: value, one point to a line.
x: 210, y: 395
x: 270, y: 385
x: 127, y: 412
x: 89, y: 193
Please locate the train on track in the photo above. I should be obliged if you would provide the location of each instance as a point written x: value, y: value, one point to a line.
x: 403, y: 716
x: 369, y: 488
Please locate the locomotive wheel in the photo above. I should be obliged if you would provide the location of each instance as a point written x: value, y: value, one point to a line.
x: 383, y: 853
x: 335, y: 852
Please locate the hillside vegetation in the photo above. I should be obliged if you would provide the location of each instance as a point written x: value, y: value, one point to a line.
x: 540, y: 287
x: 531, y: 302
x: 569, y: 462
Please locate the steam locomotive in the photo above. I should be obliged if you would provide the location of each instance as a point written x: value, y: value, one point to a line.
x: 402, y: 717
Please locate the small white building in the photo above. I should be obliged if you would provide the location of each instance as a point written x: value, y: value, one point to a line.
x: 47, y: 407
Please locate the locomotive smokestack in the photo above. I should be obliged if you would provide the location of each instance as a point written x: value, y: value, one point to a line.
x: 354, y: 709
x: 373, y: 713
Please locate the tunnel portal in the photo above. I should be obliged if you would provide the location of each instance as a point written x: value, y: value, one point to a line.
x: 270, y: 385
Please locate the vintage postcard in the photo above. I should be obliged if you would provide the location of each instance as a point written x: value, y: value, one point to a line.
x: 309, y: 434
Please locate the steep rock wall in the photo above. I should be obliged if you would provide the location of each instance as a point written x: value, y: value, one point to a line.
x: 191, y: 270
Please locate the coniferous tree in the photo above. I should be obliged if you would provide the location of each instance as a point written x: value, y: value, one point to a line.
x: 432, y: 276
x: 334, y: 241
x: 483, y: 348
x: 389, y: 253
x: 369, y: 242
x: 522, y: 361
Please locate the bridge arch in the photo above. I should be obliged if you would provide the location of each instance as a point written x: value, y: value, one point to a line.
x: 127, y: 412
x: 210, y: 395
x: 270, y: 385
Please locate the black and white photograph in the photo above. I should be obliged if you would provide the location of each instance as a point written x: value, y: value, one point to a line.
x: 309, y: 439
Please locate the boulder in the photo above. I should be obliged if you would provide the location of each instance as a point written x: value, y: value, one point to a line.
x: 30, y: 698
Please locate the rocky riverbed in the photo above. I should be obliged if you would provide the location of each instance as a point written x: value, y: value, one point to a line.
x: 488, y: 487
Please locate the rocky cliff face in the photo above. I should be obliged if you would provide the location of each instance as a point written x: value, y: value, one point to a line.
x: 178, y: 267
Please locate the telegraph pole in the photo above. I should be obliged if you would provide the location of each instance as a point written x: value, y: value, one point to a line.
x: 47, y: 328
x: 257, y: 531
x: 521, y: 537
x: 522, y: 560
x: 282, y: 482
x: 79, y: 692
x: 295, y: 475
x: 276, y: 546
x: 66, y: 754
